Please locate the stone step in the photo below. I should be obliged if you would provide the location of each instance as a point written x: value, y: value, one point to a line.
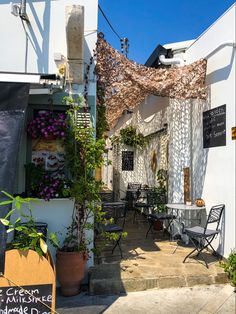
x: 110, y: 279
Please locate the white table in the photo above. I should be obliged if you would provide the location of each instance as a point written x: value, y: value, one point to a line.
x: 186, y: 216
x: 184, y: 207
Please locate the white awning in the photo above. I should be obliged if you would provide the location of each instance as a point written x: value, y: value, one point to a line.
x: 39, y: 83
x: 19, y: 77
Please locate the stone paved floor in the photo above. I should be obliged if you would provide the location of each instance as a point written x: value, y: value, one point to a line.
x: 149, y: 263
x: 202, y: 299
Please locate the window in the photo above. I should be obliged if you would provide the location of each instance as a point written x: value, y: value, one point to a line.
x: 127, y: 160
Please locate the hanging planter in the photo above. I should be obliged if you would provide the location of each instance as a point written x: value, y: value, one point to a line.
x: 130, y: 137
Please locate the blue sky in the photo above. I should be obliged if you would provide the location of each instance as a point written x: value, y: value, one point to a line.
x: 149, y: 23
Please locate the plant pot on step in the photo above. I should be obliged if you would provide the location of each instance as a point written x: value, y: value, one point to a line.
x: 158, y: 225
x: 70, y: 267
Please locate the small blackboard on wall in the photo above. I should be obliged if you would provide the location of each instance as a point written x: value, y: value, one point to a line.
x: 214, y: 127
x: 127, y: 160
x: 16, y: 300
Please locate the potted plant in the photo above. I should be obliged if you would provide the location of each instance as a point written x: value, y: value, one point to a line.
x: 83, y: 154
x: 27, y: 237
x: 130, y: 137
x: 161, y: 190
x: 27, y: 259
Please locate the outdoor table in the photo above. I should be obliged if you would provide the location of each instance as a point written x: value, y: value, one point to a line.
x: 184, y: 216
x: 114, y: 206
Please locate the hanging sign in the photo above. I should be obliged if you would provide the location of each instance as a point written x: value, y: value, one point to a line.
x: 233, y: 130
x: 214, y: 127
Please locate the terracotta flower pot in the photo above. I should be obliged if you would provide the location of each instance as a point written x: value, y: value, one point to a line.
x: 70, y: 267
x: 158, y: 225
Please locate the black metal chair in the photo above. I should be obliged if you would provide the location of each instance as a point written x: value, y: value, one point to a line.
x: 115, y: 211
x: 131, y: 194
x: 160, y: 199
x: 134, y: 186
x: 144, y: 203
x: 118, y: 229
x: 201, y: 237
x: 107, y: 196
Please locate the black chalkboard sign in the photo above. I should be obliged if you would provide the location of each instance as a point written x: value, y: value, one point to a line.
x: 214, y: 127
x: 16, y: 300
x: 127, y: 160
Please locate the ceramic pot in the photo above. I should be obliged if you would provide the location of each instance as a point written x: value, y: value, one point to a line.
x: 70, y: 267
x: 158, y: 225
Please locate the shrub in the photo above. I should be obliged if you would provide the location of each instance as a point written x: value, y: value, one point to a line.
x: 230, y: 267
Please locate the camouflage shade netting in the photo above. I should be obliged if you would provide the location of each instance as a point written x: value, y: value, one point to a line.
x: 127, y: 83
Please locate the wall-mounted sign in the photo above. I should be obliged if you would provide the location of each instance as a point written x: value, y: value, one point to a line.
x: 49, y: 153
x: 15, y: 300
x: 233, y: 130
x: 127, y: 160
x: 214, y: 127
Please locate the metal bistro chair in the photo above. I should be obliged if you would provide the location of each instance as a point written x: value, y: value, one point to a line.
x: 201, y: 237
x: 117, y: 228
x: 117, y: 211
x: 160, y: 199
x: 134, y: 186
x: 107, y: 196
x: 146, y: 201
x: 131, y: 194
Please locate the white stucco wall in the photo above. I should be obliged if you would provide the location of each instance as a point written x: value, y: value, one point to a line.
x: 214, y: 168
x: 46, y: 36
x: 46, y: 33
x: 148, y: 117
x: 46, y: 30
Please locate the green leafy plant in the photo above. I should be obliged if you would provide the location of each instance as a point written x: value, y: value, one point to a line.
x: 161, y: 188
x: 101, y: 123
x: 230, y: 267
x: 83, y: 154
x: 27, y: 237
x: 41, y: 183
x: 130, y: 137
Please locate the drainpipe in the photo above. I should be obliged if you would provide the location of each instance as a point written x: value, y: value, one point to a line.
x: 171, y: 61
x: 222, y: 45
x: 23, y: 7
x: 23, y: 14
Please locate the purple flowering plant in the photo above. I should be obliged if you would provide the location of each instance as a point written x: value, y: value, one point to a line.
x: 50, y: 187
x: 42, y: 184
x: 47, y: 124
